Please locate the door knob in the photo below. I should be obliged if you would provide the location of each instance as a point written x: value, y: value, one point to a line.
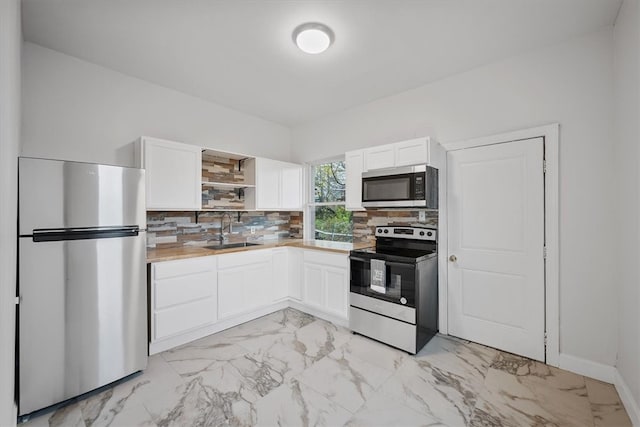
x: 453, y: 258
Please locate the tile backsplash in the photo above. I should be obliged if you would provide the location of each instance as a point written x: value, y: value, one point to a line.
x: 365, y: 222
x: 176, y: 229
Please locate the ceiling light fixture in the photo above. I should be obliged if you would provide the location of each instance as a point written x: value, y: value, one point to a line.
x: 313, y: 37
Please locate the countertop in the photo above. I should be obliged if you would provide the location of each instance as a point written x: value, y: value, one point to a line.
x: 169, y: 254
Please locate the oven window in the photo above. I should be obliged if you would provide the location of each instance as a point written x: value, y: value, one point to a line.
x: 390, y: 281
x: 387, y: 188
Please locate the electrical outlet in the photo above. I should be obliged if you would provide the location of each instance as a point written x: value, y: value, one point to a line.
x: 253, y: 230
x: 422, y: 217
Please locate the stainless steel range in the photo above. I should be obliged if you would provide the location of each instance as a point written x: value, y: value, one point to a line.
x: 394, y: 288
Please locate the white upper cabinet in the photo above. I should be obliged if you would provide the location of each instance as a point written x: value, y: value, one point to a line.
x: 380, y: 157
x: 267, y: 184
x: 406, y: 153
x: 414, y: 151
x: 173, y: 174
x: 279, y: 185
x: 291, y: 187
x: 353, y: 188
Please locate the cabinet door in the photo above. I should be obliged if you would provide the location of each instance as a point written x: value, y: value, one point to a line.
x: 379, y: 157
x: 295, y: 273
x: 412, y: 152
x: 337, y: 291
x: 230, y: 292
x: 280, y: 273
x: 258, y: 285
x: 354, y: 165
x: 173, y: 174
x: 291, y: 188
x: 267, y: 184
x: 313, y: 293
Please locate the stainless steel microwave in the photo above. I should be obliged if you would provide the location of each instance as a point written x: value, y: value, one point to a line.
x: 410, y: 186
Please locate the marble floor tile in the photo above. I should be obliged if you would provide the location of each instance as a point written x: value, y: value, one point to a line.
x: 444, y: 396
x: 261, y: 332
x: 542, y: 396
x: 459, y: 357
x: 212, y: 398
x: 606, y: 406
x: 291, y: 318
x: 204, y: 354
x: 378, y: 354
x: 68, y: 416
x: 345, y: 379
x: 292, y: 369
x: 318, y: 339
x: 295, y: 404
x: 380, y: 411
x: 127, y: 397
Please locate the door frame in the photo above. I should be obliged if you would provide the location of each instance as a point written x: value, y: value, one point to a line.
x: 550, y: 133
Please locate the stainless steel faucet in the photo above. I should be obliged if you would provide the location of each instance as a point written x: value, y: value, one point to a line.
x: 224, y: 237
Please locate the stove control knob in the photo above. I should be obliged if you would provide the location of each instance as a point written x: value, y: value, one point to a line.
x: 429, y: 234
x: 386, y: 231
x: 379, y: 230
x: 403, y: 300
x: 422, y: 233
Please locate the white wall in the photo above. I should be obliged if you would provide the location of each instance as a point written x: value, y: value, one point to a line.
x: 627, y: 141
x: 76, y: 110
x: 10, y: 45
x: 569, y: 83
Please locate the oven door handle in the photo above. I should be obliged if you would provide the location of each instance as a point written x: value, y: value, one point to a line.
x: 359, y: 259
x: 401, y: 264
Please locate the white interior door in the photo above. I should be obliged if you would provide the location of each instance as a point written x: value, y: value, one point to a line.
x: 496, y: 242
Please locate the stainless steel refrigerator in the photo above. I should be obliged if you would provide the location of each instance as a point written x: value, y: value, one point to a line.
x: 82, y: 313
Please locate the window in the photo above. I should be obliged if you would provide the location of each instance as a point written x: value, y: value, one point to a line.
x: 327, y: 216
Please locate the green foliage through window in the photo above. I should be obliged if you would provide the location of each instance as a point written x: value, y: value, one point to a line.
x: 332, y: 220
x: 330, y: 182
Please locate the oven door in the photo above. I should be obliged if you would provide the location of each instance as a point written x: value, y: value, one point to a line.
x: 394, y: 281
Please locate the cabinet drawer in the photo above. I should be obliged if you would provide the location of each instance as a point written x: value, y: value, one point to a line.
x: 183, y: 317
x: 183, y: 267
x: 244, y: 258
x: 178, y: 290
x: 326, y: 258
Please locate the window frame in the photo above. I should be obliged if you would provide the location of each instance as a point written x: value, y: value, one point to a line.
x: 309, y: 219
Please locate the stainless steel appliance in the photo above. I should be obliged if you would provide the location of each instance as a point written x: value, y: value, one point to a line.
x: 82, y: 313
x: 394, y: 288
x: 401, y: 187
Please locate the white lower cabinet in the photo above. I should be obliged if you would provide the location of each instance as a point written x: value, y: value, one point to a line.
x: 280, y: 275
x: 326, y: 282
x: 245, y: 282
x: 295, y: 273
x: 195, y: 297
x: 183, y: 296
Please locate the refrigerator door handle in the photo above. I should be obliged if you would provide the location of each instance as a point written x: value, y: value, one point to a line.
x: 61, y: 234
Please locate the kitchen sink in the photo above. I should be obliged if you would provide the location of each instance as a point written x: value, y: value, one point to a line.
x: 232, y: 245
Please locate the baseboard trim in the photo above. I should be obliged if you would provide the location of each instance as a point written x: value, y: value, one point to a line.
x: 587, y: 368
x: 628, y: 401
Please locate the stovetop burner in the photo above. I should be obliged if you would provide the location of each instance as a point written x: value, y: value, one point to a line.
x: 401, y: 244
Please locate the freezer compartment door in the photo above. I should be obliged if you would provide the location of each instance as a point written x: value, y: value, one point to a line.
x: 54, y: 194
x: 82, y: 316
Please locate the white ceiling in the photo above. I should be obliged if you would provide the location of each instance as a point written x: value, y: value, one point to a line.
x: 239, y: 53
